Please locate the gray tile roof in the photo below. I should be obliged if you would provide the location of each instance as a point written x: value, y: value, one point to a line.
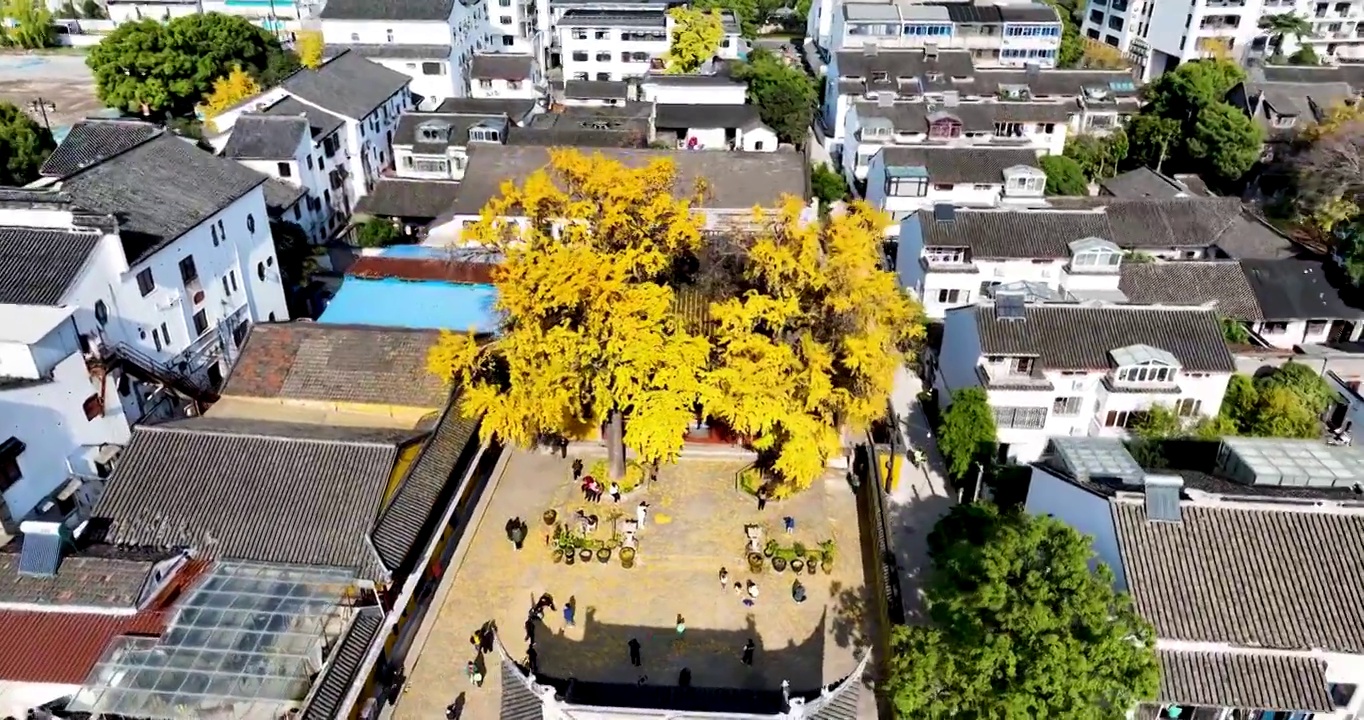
x: 614, y: 18
x: 515, y: 108
x: 625, y: 126
x: 501, y: 66
x: 146, y: 188
x: 596, y: 89
x: 1244, y: 680
x: 519, y: 701
x: 1309, y: 102
x: 704, y: 116
x: 401, y: 198
x: 435, y: 474
x: 348, y: 84
x: 912, y: 117
x: 338, y: 363
x: 1297, y: 74
x: 406, y: 132
x: 344, y: 669
x: 320, y: 122
x: 38, y: 266
x: 905, y: 64
x: 1079, y: 337
x: 959, y: 165
x: 80, y: 581
x: 1189, y: 578
x: 736, y: 180
x: 395, y: 52
x: 1033, y: 12
x: 280, y: 196
x: 1143, y: 182
x: 92, y: 141
x: 254, y: 490
x: 412, y: 10
x: 1056, y: 82
x: 1130, y: 224
x: 1220, y: 284
x: 1301, y: 289
x: 266, y: 137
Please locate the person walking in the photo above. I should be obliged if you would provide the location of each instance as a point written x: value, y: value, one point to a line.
x: 753, y: 589
x: 615, y: 492
x: 577, y: 469
x: 748, y: 653
x: 762, y: 498
x: 570, y: 608
x: 546, y: 601
x: 489, y: 632
x: 641, y: 513
x: 532, y: 659
x: 634, y: 653
x: 790, y: 524
x: 681, y: 626
x: 475, y: 676
x: 530, y: 629
x: 724, y: 578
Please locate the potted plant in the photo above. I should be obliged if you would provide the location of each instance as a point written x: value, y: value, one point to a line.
x: 826, y: 561
x: 549, y: 516
x: 779, y: 563
x: 604, y: 555
x: 798, y: 550
x: 811, y: 562
x: 771, y: 548
x: 570, y: 557
x: 797, y: 566
x: 627, y: 557
x: 557, y: 556
x: 585, y: 555
x: 755, y: 562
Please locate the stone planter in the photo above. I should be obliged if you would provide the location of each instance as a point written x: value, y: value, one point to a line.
x: 549, y: 517
x: 570, y: 557
x: 797, y: 566
x: 557, y: 556
x: 604, y: 555
x: 755, y: 562
x: 585, y: 555
x: 811, y: 562
x: 627, y: 557
x: 778, y: 564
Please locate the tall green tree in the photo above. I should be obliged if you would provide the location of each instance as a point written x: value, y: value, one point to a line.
x: 1098, y: 155
x: 784, y: 95
x: 1283, y: 25
x: 1064, y: 176
x: 751, y: 14
x: 1212, y: 134
x: 29, y: 24
x: 1022, y: 627
x: 966, y: 433
x: 1153, y: 137
x: 1225, y: 139
x: 1304, y: 55
x: 24, y: 145
x: 154, y: 67
x: 1302, y: 380
x: 828, y: 185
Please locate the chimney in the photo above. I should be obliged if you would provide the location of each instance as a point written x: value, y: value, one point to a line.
x: 869, y: 49
x: 885, y: 99
x: 1033, y: 70
x: 1162, y: 497
x: 930, y: 51
x: 950, y: 98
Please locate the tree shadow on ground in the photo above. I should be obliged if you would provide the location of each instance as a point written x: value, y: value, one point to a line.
x: 851, y: 620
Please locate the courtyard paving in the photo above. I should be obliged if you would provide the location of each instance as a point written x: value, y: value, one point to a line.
x: 694, y: 527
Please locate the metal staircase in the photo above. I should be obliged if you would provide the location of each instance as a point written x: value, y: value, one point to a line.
x: 175, y: 375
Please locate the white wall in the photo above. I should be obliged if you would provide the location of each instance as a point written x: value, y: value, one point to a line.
x: 466, y: 32
x: 669, y: 94
x: 432, y: 78
x: 604, y: 55
x: 759, y: 139
x: 502, y: 89
x: 134, y: 11
x: 1081, y: 509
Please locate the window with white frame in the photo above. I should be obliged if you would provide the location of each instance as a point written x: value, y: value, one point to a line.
x: 484, y: 134
x: 1067, y: 406
x: 1188, y: 407
x: 426, y: 165
x: 1285, y: 121
x: 952, y: 296
x: 1012, y: 365
x: 1021, y: 417
x: 1123, y: 418
x: 1096, y: 260
x: 945, y: 255
x: 1147, y: 373
x: 907, y: 187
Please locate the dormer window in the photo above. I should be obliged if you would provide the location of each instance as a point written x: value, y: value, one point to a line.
x: 945, y: 255
x: 880, y: 76
x: 484, y: 134
x: 877, y: 128
x: 1094, y: 255
x: 433, y: 132
x: 1144, y: 365
x: 1024, y: 180
x: 944, y: 128
x: 1285, y: 121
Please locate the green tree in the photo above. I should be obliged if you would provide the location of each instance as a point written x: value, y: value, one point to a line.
x: 92, y: 10
x: 1281, y: 412
x: 29, y: 24
x: 696, y: 36
x: 1312, y: 388
x: 1283, y: 25
x: 1226, y: 139
x: 1153, y: 137
x: 1238, y: 404
x: 68, y: 10
x: 377, y: 232
x: 153, y: 67
x: 1098, y: 155
x: 1022, y: 628
x: 279, y: 64
x: 966, y: 433
x: 828, y: 185
x: 751, y: 14
x: 1064, y: 176
x: 1304, y: 55
x: 1234, y: 331
x: 24, y: 145
x: 1072, y: 47
x: 784, y: 95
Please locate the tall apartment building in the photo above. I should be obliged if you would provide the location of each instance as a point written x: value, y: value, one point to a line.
x: 1002, y: 35
x: 1158, y: 35
x: 615, y: 44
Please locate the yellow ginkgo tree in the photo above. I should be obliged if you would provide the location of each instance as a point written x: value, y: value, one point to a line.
x: 809, y: 343
x: 587, y: 291
x: 229, y: 91
x: 696, y: 36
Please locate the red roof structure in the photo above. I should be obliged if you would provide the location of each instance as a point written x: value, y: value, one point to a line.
x: 375, y: 267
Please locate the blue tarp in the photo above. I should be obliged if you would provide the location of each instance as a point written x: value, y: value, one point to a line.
x: 422, y: 304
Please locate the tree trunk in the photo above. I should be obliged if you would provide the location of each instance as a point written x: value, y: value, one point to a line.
x: 615, y: 444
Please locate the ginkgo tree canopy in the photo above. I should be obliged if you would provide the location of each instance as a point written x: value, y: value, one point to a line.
x: 803, y: 334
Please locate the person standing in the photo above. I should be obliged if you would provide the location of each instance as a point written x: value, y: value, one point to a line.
x: 577, y: 469
x: 569, y: 610
x: 641, y: 513
x: 681, y: 626
x: 762, y: 498
x: 790, y: 524
x: 475, y: 676
x: 724, y: 578
x: 530, y: 629
x: 615, y: 492
x: 634, y: 653
x: 748, y: 653
x: 532, y: 659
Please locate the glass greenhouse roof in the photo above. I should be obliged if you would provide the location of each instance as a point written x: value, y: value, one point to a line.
x: 243, y: 644
x: 1311, y: 463
x: 1088, y: 457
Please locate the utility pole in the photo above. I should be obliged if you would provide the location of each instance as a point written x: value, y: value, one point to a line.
x: 42, y: 105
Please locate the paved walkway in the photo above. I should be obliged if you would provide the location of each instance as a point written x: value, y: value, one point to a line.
x: 695, y: 526
x: 921, y: 495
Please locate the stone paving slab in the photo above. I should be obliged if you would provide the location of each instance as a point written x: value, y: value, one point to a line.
x: 695, y: 526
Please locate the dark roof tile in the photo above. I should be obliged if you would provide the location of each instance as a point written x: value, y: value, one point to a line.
x: 1301, y: 289
x: 320, y: 122
x: 348, y: 84
x: 596, y: 89
x: 1218, y: 284
x: 396, y: 52
x: 92, y: 141
x: 705, y: 116
x: 515, y: 108
x: 502, y: 66
x: 338, y: 363
x: 1244, y: 679
x: 265, y: 137
x: 413, y: 199
x: 1079, y: 337
x: 38, y: 266
x: 1187, y: 578
x: 411, y: 10
x: 959, y: 165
